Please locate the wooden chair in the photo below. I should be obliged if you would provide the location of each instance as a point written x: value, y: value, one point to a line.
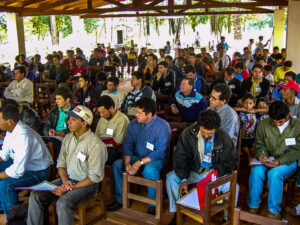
x: 211, y: 206
x: 254, y: 218
x: 42, y: 98
x: 130, y: 216
x: 97, y: 201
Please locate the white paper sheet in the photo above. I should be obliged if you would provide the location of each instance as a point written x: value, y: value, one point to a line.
x: 190, y: 199
x: 44, y: 186
x: 255, y: 162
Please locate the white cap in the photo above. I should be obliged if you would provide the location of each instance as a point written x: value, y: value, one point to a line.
x: 81, y: 112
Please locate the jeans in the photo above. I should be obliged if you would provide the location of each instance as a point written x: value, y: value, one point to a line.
x: 112, y: 155
x: 276, y: 176
x: 173, y: 184
x: 8, y: 193
x: 65, y: 205
x: 151, y: 171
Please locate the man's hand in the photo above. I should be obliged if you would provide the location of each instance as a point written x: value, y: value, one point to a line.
x: 135, y: 167
x: 158, y: 75
x: 60, y: 190
x: 52, y: 132
x: 68, y: 184
x: 128, y: 168
x: 183, y: 189
x: 263, y: 158
x: 273, y: 164
x: 175, y: 110
x: 61, y: 133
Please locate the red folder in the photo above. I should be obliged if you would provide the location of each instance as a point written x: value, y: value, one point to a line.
x: 110, y: 141
x: 201, y: 187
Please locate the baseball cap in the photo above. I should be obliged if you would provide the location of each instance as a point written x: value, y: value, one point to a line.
x: 291, y: 85
x: 81, y: 112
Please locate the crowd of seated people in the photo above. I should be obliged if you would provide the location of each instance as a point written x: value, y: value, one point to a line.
x: 211, y: 96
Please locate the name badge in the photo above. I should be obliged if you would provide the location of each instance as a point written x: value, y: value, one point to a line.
x: 168, y: 84
x: 232, y: 86
x: 150, y: 146
x: 295, y: 117
x: 98, y: 64
x: 290, y: 141
x: 207, y: 158
x: 258, y: 89
x: 109, y: 131
x: 81, y: 156
x: 87, y: 99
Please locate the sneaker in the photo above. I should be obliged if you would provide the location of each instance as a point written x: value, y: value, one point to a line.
x: 114, y: 207
x: 253, y: 210
x: 273, y: 215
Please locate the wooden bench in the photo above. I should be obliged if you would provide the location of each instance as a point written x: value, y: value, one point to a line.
x: 128, y: 216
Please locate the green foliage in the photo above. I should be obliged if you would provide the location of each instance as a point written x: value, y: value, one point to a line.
x: 262, y: 21
x: 91, y: 25
x: 194, y: 21
x: 39, y: 25
x: 3, y: 27
x: 64, y: 25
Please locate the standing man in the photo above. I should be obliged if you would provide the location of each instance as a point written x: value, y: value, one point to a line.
x: 145, y: 146
x: 218, y: 101
x: 96, y: 64
x: 222, y: 44
x: 277, y: 136
x: 31, y: 158
x: 80, y: 167
x: 20, y: 89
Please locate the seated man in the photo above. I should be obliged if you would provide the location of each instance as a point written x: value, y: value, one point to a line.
x: 277, y: 136
x: 27, y: 115
x: 187, y: 102
x: 57, y: 119
x: 86, y: 94
x: 277, y: 95
x: 289, y: 96
x: 280, y: 71
x: 233, y: 83
x: 31, y: 158
x: 139, y: 91
x: 207, y: 138
x: 163, y: 81
x: 20, y: 89
x: 36, y: 69
x: 80, y: 167
x: 200, y: 83
x: 145, y: 147
x: 218, y: 99
x: 111, y: 127
x: 59, y: 72
x: 113, y: 92
x: 257, y: 84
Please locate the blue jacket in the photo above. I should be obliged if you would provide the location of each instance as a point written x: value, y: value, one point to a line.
x: 200, y: 87
x: 151, y: 139
x: 189, y: 106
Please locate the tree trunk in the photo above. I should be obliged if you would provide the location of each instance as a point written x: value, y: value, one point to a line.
x: 54, y: 31
x: 237, y: 29
x: 178, y: 28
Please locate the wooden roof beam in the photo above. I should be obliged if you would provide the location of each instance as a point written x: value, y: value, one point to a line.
x: 9, y: 2
x: 117, y: 3
x: 31, y: 2
x: 155, y: 2
x: 46, y: 7
x: 174, y: 14
x: 89, y: 4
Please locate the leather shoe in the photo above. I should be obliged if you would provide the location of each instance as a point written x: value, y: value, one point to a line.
x: 253, y: 210
x: 114, y: 207
x: 151, y: 210
x: 273, y: 215
x: 292, y: 211
x: 174, y: 221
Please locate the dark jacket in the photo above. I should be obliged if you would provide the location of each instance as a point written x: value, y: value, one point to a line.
x: 247, y: 84
x: 63, y: 74
x: 52, y: 121
x: 87, y: 98
x: 235, y: 86
x: 165, y: 84
x: 31, y: 118
x: 186, y: 156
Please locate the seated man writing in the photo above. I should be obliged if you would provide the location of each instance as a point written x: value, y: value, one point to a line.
x: 277, y: 136
x: 31, y: 158
x: 202, y: 148
x: 80, y: 167
x: 145, y: 146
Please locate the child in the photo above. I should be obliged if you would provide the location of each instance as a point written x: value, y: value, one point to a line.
x: 268, y: 74
x: 248, y: 124
x: 262, y: 103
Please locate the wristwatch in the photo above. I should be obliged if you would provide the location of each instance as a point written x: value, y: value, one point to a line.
x: 141, y: 161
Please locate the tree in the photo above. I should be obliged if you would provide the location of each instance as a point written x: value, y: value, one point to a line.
x: 39, y: 25
x: 3, y: 28
x: 54, y: 31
